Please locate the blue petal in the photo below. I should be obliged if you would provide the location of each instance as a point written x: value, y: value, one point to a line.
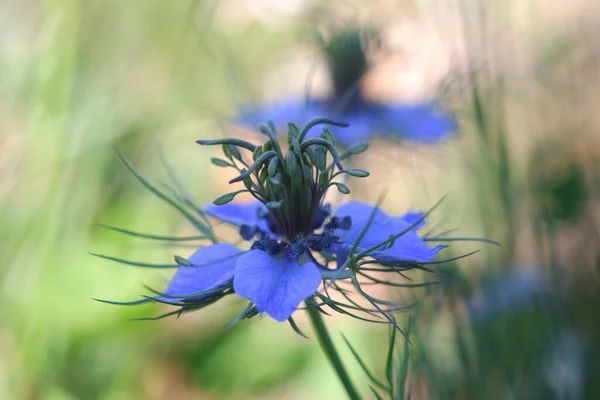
x: 239, y: 213
x: 409, y: 247
x: 361, y: 119
x: 211, y: 267
x: 414, y: 218
x: 424, y: 123
x: 363, y: 125
x: 359, y: 211
x: 298, y: 112
x: 275, y: 286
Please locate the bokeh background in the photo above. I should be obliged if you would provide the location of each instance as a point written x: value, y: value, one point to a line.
x: 78, y: 78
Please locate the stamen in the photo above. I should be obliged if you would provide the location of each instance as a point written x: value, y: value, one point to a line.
x: 266, y: 244
x: 323, y: 241
x: 321, y: 215
x: 297, y: 248
x: 339, y: 223
x: 248, y: 232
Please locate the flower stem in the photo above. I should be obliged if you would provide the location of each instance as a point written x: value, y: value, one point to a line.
x: 329, y: 349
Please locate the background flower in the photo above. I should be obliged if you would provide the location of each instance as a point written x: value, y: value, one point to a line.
x: 424, y: 122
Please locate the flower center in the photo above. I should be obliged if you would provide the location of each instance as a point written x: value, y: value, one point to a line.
x: 295, y: 248
x: 292, y: 184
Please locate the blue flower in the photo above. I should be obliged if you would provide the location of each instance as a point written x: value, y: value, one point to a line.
x: 296, y: 248
x: 347, y: 63
x: 511, y: 292
x: 424, y: 123
x: 277, y: 283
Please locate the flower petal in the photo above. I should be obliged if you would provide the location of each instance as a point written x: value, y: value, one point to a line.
x: 413, y: 217
x: 362, y: 127
x: 211, y: 266
x: 424, y: 123
x: 275, y: 286
x: 360, y: 212
x: 408, y: 247
x: 296, y: 111
x: 362, y: 118
x: 511, y: 292
x: 239, y: 213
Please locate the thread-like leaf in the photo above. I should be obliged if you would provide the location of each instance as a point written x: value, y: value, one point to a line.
x: 296, y: 328
x: 153, y: 237
x: 377, y: 395
x: 364, y: 367
x: 124, y: 303
x: 135, y: 263
x: 190, y: 217
x: 242, y: 315
x: 389, y: 366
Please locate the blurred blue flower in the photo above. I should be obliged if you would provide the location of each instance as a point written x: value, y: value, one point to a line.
x: 347, y: 63
x: 565, y: 366
x: 421, y: 123
x: 509, y: 293
x: 278, y: 275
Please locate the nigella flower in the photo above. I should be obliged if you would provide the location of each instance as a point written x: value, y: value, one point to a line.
x: 424, y: 122
x: 297, y: 249
x: 511, y: 292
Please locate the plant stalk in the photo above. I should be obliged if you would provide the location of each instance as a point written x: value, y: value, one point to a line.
x: 329, y: 349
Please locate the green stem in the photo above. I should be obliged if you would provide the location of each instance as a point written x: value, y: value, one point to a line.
x: 329, y: 349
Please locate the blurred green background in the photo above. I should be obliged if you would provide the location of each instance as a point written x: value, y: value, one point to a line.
x: 150, y: 77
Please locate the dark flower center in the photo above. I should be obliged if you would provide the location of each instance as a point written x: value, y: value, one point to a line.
x: 293, y: 249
